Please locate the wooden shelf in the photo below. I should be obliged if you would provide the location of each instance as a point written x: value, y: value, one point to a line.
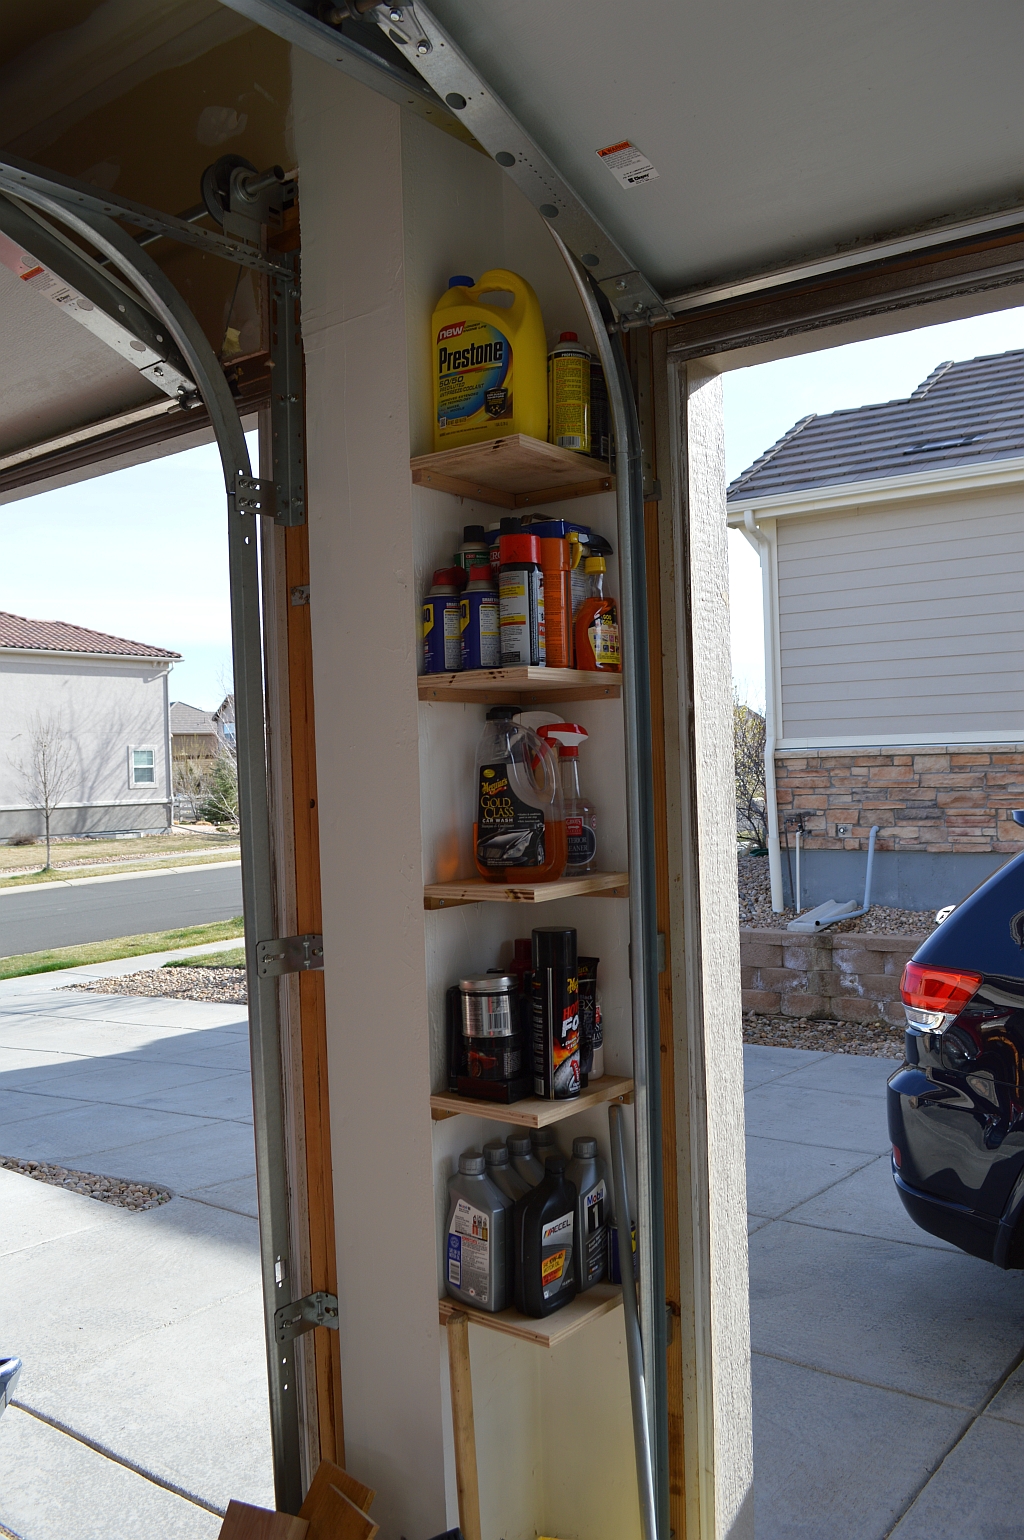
x: 477, y: 890
x: 520, y: 686
x: 534, y: 1111
x: 551, y: 1329
x: 513, y: 472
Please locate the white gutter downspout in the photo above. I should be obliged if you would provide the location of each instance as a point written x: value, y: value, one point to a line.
x: 762, y: 547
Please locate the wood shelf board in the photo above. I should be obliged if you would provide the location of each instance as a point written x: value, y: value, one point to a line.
x: 551, y: 1329
x: 519, y: 686
x: 512, y: 472
x: 477, y: 890
x: 534, y: 1111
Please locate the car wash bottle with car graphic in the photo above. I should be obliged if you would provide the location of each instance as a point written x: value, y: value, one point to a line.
x: 518, y: 819
x: 490, y: 361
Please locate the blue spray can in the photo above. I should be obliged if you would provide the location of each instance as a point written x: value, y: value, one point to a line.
x: 442, y: 625
x: 481, y: 643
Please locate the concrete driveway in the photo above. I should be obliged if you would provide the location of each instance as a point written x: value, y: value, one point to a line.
x: 66, y: 913
x: 888, y: 1397
x: 142, y: 1406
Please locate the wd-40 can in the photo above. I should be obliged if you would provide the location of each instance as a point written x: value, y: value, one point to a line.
x: 481, y: 646
x: 442, y: 625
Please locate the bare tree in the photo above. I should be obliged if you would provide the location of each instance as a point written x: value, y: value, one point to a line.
x: 47, y: 769
x: 192, y: 781
x: 221, y: 802
x: 751, y: 794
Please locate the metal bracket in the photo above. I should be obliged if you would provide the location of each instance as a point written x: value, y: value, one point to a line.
x: 254, y: 496
x: 315, y: 1310
x: 291, y: 954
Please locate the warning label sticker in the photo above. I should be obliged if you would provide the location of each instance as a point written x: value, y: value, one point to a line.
x: 628, y: 165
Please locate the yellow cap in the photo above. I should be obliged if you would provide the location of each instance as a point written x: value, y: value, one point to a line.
x: 595, y: 564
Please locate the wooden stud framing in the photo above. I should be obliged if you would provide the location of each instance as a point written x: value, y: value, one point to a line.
x: 461, y: 1377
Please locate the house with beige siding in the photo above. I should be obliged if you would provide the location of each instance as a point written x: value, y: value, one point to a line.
x: 891, y: 541
x: 95, y: 707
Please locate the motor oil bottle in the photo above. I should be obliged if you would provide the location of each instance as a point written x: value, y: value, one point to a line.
x: 518, y: 822
x: 479, y: 1215
x: 543, y: 1143
x: 545, y: 1227
x: 522, y: 1159
x: 596, y: 628
x: 490, y: 365
x: 442, y: 625
x: 521, y: 600
x: 569, y: 394
x: 481, y: 644
x: 507, y: 1180
x: 556, y: 1014
x: 587, y: 1173
x: 580, y: 818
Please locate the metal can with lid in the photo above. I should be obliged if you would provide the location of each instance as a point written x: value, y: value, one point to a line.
x: 489, y: 1005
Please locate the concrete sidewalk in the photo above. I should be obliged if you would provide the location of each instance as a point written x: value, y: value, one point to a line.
x: 886, y: 1397
x: 142, y: 1407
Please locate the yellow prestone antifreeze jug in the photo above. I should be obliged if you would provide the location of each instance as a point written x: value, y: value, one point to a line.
x: 490, y: 362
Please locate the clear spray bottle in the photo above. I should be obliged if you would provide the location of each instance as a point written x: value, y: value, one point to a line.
x: 580, y: 818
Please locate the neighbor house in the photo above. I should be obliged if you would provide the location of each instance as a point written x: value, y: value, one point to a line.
x: 891, y: 540
x: 88, y: 713
x: 195, y: 734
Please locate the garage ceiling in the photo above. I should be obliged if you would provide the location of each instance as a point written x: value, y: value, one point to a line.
x: 778, y: 131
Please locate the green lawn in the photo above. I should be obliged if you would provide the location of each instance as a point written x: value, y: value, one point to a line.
x: 233, y: 959
x: 123, y: 946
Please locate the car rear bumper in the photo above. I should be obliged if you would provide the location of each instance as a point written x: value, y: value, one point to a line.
x: 964, y: 1227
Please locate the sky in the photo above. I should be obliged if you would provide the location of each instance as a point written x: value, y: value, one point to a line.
x: 763, y: 402
x: 140, y: 553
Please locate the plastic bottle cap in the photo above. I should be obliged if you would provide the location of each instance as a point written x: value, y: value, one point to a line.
x: 568, y: 337
x: 555, y: 1163
x: 510, y: 525
x: 518, y: 1144
x: 519, y: 548
x: 481, y: 575
x: 568, y: 736
x: 542, y: 1138
x: 503, y: 713
x: 496, y: 1153
x: 554, y: 946
x: 460, y: 281
x: 584, y: 1148
x: 473, y: 534
x: 471, y: 1163
x: 595, y: 564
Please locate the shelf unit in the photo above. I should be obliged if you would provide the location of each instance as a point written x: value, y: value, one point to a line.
x: 534, y: 1111
x: 477, y: 890
x: 512, y: 472
x: 522, y: 686
x: 550, y: 1330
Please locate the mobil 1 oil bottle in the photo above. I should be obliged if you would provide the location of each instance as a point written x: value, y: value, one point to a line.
x: 586, y: 1171
x: 479, y: 1231
x: 545, y: 1225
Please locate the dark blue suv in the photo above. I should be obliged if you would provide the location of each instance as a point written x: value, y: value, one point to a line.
x: 956, y: 1107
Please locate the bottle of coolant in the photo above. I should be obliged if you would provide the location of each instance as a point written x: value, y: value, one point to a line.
x: 490, y: 361
x: 479, y: 1230
x: 586, y: 1171
x: 518, y: 822
x: 524, y: 1162
x: 545, y: 1226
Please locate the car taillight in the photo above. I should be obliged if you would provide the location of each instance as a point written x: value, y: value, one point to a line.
x: 943, y: 990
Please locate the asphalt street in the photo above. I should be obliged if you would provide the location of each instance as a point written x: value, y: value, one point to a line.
x: 50, y: 914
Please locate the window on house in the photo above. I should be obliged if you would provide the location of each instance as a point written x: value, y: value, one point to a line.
x: 142, y: 767
x: 229, y: 731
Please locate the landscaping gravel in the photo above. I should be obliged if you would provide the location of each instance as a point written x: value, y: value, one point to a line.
x: 875, y: 1039
x: 105, y: 1189
x: 221, y: 986
x: 756, y: 909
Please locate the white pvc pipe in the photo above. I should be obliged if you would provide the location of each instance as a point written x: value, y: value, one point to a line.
x: 763, y: 549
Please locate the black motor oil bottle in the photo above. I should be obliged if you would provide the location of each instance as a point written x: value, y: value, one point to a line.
x: 545, y: 1220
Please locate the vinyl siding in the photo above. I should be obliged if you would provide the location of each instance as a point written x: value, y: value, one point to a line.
x: 901, y: 624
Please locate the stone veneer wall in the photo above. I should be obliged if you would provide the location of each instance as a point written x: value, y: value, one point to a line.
x: 844, y: 977
x: 938, y: 800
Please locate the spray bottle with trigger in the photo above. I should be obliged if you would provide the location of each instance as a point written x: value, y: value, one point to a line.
x: 580, y: 818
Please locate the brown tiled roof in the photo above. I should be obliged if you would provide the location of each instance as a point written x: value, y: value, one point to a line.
x: 59, y: 636
x: 966, y: 413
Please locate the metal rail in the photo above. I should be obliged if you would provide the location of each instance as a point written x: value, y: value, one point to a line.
x: 634, y: 1345
x: 101, y: 232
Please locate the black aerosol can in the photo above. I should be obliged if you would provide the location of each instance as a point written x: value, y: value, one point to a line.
x: 545, y: 1224
x: 556, y: 1014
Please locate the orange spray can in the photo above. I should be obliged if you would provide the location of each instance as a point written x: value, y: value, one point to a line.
x: 554, y: 561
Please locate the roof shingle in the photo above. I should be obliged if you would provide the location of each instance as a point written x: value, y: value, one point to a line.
x: 58, y: 636
x: 964, y: 413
